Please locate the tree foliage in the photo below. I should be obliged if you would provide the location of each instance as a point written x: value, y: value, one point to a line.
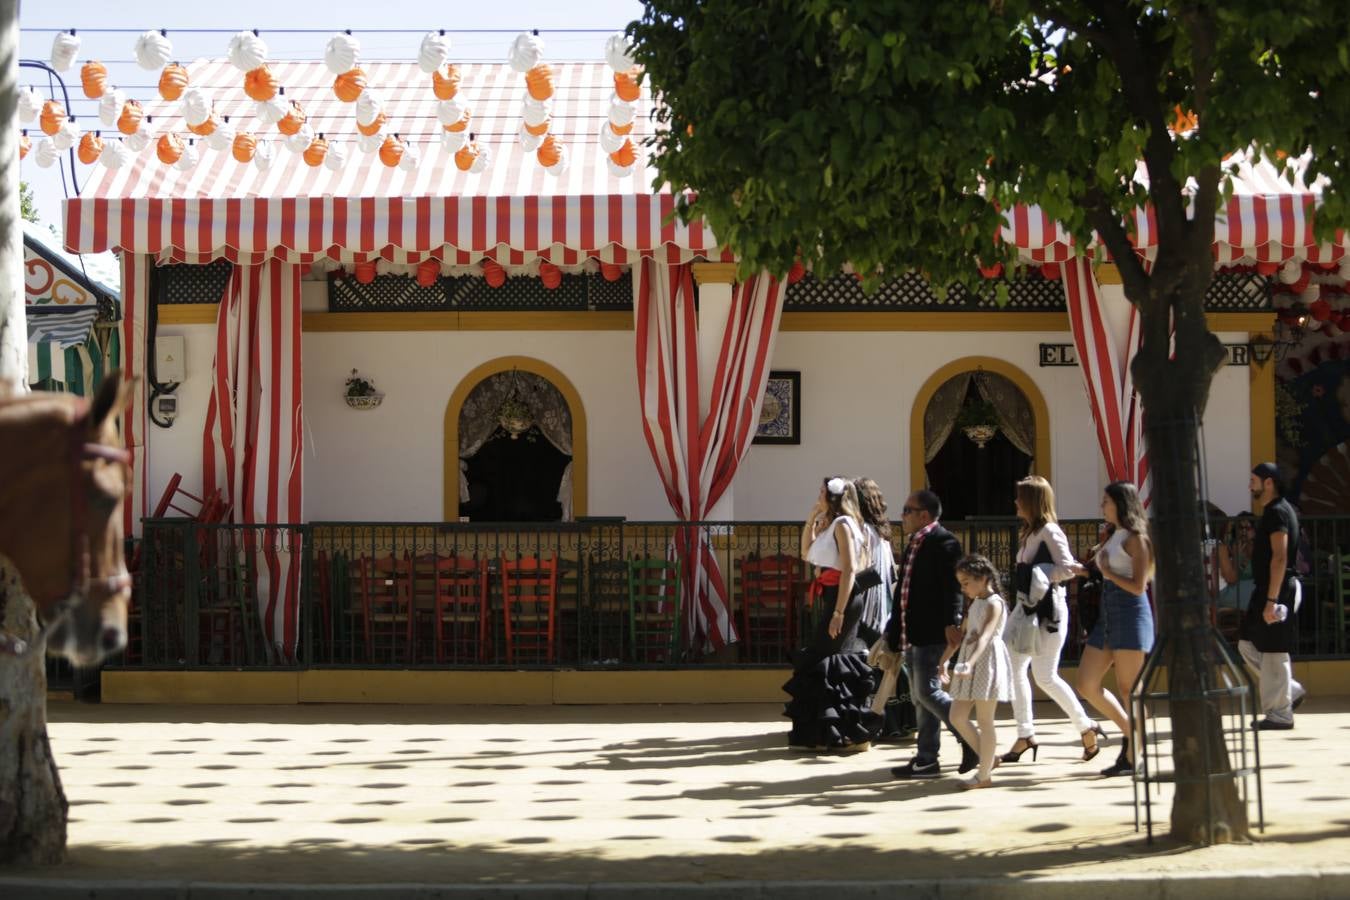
x: 27, y: 208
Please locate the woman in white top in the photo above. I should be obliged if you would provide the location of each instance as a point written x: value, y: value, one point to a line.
x: 832, y: 684
x: 1044, y: 543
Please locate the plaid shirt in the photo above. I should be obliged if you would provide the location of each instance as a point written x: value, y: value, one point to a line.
x: 911, y: 551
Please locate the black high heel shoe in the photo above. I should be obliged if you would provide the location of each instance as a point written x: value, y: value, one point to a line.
x: 1090, y: 751
x: 1015, y: 755
x: 1122, y: 765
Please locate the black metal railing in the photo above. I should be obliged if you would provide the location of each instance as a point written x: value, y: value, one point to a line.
x: 598, y: 593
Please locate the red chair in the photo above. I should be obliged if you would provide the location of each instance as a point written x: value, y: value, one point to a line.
x: 386, y: 607
x: 530, y: 599
x: 769, y: 589
x: 461, y: 610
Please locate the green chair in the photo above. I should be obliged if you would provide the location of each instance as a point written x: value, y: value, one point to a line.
x: 653, y: 610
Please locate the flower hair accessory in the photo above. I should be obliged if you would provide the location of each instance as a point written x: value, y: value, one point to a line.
x: 835, y: 486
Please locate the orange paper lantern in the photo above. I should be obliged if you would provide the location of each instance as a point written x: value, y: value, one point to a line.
x: 625, y: 155
x: 465, y: 156
x: 52, y: 118
x: 541, y: 128
x: 129, y: 122
x: 549, y: 152
x: 260, y: 84
x: 94, y: 79
x: 626, y: 86
x: 446, y: 85
x: 493, y: 273
x: 796, y: 273
x: 621, y: 129
x: 611, y: 271
x: 244, y: 146
x: 316, y: 151
x: 25, y: 144
x: 205, y: 128
x: 173, y: 81
x: 550, y: 275
x: 91, y: 148
x: 169, y: 149
x: 291, y: 122
x: 365, y: 272
x: 391, y: 151
x: 462, y: 124
x: 539, y: 81
x: 374, y: 127
x: 350, y: 85
x: 428, y: 270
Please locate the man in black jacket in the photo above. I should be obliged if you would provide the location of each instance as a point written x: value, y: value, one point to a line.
x: 926, y: 617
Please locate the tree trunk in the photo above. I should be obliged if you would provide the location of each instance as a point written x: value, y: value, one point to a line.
x: 32, y: 804
x: 1173, y: 389
x: 13, y: 330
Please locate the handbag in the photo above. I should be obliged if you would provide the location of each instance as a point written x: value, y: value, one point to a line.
x: 1023, y: 630
x: 866, y: 579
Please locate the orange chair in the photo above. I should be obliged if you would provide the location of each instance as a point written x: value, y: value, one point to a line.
x: 461, y: 609
x: 768, y: 605
x: 530, y: 600
x: 386, y: 607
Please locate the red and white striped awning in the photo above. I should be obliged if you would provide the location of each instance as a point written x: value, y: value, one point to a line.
x: 514, y: 211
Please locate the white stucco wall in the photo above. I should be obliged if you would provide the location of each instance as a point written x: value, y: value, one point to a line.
x: 857, y: 392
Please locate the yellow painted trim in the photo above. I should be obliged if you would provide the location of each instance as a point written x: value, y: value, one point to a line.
x: 410, y: 686
x: 924, y: 321
x: 714, y: 273
x: 233, y: 687
x: 1261, y: 406
x: 188, y: 313
x: 709, y: 685
x: 1107, y: 273
x: 543, y: 320
x: 1240, y: 321
x: 1040, y: 461
x: 580, y: 463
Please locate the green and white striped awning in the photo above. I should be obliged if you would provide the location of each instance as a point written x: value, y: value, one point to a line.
x: 78, y: 369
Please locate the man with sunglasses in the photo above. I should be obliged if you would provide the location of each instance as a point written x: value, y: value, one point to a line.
x: 926, y: 617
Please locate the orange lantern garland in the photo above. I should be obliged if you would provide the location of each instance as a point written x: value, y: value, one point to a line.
x: 549, y: 152
x: 365, y: 272
x: 626, y: 86
x: 611, y: 271
x: 260, y: 84
x: 428, y: 270
x: 550, y: 275
x: 376, y: 124
x: 625, y: 156
x: 205, y: 127
x: 391, y: 151
x: 350, y: 85
x: 316, y: 151
x: 540, y: 129
x: 173, y: 81
x: 169, y: 149
x: 539, y: 81
x: 94, y: 79
x: 91, y: 148
x: 244, y: 147
x: 129, y: 122
x: 493, y: 273
x: 462, y: 124
x: 445, y: 86
x: 52, y: 118
x: 465, y: 156
x: 25, y: 144
x: 291, y: 122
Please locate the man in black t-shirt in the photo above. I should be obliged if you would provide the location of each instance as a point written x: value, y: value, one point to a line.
x: 1270, y: 629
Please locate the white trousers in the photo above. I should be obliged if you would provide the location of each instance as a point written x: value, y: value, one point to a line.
x: 1044, y: 666
x: 1275, y: 679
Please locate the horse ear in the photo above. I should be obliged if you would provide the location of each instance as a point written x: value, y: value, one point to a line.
x: 114, y: 395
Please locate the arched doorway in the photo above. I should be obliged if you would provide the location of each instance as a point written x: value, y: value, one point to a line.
x: 533, y: 471
x: 978, y: 425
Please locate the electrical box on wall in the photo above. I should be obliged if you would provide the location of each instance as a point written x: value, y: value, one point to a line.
x: 169, y: 360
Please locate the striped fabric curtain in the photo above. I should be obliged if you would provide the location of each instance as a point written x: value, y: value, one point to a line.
x: 1105, y: 363
x: 135, y: 301
x: 252, y: 443
x: 697, y: 455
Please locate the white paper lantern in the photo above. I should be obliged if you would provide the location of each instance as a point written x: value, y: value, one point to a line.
x: 110, y: 107
x: 1291, y: 271
x: 30, y: 104
x: 609, y: 141
x: 270, y: 112
x: 526, y: 52
x: 114, y: 155
x: 188, y: 161
x: 619, y: 53
x: 264, y: 155
x: 381, y: 266
x: 411, y: 159
x: 451, y: 141
x: 300, y: 141
x: 45, y: 153
x: 482, y: 160
x: 222, y: 137
x: 535, y: 112
x: 342, y: 53
x: 336, y: 159
x: 530, y: 142
x: 621, y: 113
x: 448, y: 112
x: 153, y: 50
x: 196, y: 106
x: 65, y: 47
x: 138, y: 141
x: 247, y: 51
x: 558, y: 167
x: 1344, y: 269
x: 369, y: 143
x: 433, y: 53
x: 368, y: 107
x: 66, y: 135
x: 619, y: 171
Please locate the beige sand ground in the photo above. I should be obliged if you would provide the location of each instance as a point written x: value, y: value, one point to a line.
x: 329, y: 794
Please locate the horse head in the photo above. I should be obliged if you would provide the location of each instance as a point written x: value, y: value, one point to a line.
x: 65, y: 480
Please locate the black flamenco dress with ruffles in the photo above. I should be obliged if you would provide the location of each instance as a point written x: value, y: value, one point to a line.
x: 832, y: 685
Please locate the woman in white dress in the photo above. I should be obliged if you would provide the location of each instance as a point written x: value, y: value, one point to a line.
x: 982, y: 677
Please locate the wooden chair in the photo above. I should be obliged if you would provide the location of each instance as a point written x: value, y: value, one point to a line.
x: 768, y: 605
x: 386, y: 608
x: 654, y: 610
x: 530, y: 599
x: 461, y: 610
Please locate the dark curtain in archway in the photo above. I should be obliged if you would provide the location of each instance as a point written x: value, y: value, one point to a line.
x: 974, y: 481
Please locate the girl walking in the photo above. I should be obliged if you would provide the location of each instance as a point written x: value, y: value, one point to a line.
x: 982, y: 677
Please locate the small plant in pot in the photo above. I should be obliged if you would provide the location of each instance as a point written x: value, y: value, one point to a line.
x: 978, y: 420
x: 361, y: 393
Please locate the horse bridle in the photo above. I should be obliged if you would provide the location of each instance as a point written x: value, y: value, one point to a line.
x: 81, y: 582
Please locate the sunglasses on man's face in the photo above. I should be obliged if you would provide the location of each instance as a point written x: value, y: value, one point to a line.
x: 907, y: 510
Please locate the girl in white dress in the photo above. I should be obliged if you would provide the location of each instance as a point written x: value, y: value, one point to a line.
x: 982, y: 677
